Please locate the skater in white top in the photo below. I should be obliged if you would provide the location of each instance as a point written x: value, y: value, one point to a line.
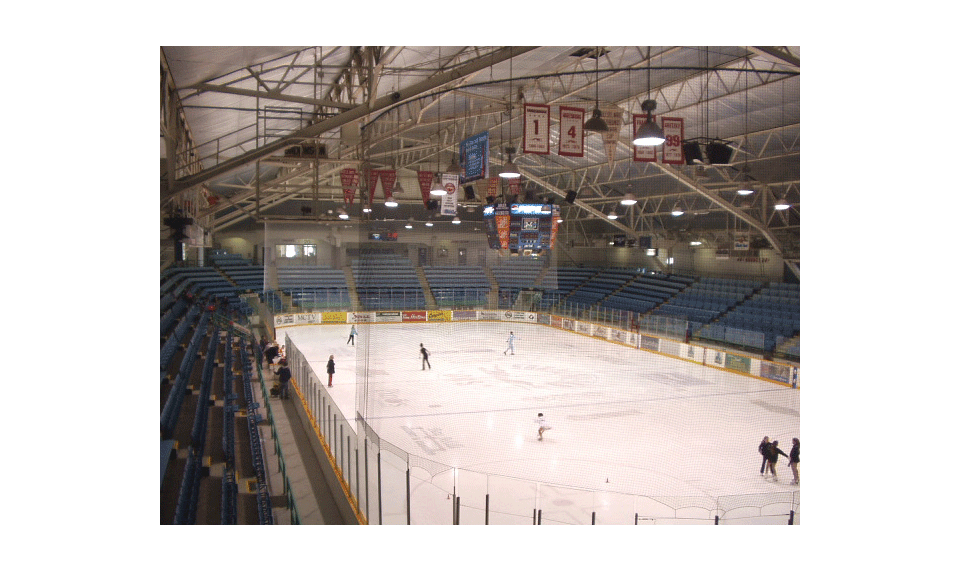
x: 509, y: 344
x: 543, y: 426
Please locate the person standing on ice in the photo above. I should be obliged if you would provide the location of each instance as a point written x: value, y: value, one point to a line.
x: 772, y: 453
x: 331, y: 369
x: 425, y: 357
x: 763, y: 453
x: 543, y: 426
x: 509, y: 344
x: 795, y: 461
x: 353, y: 332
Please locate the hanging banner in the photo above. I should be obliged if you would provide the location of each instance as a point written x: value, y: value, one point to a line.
x: 613, y: 116
x: 741, y: 242
x: 388, y: 178
x: 642, y: 153
x: 672, y: 151
x: 502, y: 215
x: 448, y: 203
x: 475, y: 157
x: 370, y: 176
x: 554, y: 226
x: 493, y: 187
x: 514, y: 186
x: 349, y: 180
x: 571, y: 132
x: 425, y: 178
x: 536, y: 128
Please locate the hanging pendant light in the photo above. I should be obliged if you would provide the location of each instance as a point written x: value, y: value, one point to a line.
x: 649, y: 133
x: 596, y: 122
x: 677, y: 209
x: 509, y: 170
x: 628, y: 199
x: 437, y: 188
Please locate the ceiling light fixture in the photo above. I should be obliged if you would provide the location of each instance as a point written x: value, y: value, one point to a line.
x: 781, y: 205
x: 456, y: 220
x: 390, y: 202
x: 342, y: 214
x: 509, y: 170
x: 677, y: 210
x: 596, y: 122
x: 649, y: 134
x: 437, y: 188
x: 628, y: 199
x: 612, y: 215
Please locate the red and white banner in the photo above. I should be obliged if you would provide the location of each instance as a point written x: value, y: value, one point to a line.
x: 514, y: 186
x: 349, y: 180
x: 536, y: 128
x: 493, y: 187
x: 425, y: 178
x: 672, y: 153
x: 571, y: 132
x: 503, y: 227
x: 642, y: 153
x: 388, y: 178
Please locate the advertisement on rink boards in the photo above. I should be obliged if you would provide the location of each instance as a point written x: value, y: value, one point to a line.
x: 787, y: 374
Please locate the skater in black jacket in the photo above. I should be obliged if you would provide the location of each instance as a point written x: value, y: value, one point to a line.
x: 763, y: 454
x: 772, y: 454
x: 795, y: 461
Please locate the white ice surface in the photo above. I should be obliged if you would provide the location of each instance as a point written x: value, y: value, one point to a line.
x: 623, y: 419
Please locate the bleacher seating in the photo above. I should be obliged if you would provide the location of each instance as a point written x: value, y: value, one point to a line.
x: 600, y: 286
x: 457, y: 286
x: 314, y: 287
x: 773, y: 312
x: 568, y: 279
x: 387, y: 282
x: 643, y: 292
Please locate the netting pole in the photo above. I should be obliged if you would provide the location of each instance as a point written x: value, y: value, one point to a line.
x: 456, y: 519
x: 791, y: 518
x: 539, y: 516
x: 379, y: 490
x: 534, y: 517
x: 486, y: 511
x: 716, y: 520
x: 593, y: 517
x: 408, y: 494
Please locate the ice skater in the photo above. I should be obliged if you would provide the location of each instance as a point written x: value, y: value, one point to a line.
x: 425, y: 355
x: 509, y: 344
x: 353, y: 332
x: 543, y: 426
x: 331, y: 369
x: 795, y: 461
x: 763, y: 454
x: 772, y: 453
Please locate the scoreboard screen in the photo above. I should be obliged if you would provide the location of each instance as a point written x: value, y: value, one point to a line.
x: 523, y: 229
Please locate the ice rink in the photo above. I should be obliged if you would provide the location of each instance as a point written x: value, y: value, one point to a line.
x: 623, y: 420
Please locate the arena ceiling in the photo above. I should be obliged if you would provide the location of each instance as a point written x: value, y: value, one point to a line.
x: 229, y: 117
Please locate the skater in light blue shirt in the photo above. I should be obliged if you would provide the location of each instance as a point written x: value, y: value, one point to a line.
x: 509, y: 344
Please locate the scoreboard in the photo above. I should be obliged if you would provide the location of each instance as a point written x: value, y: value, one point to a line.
x: 523, y: 229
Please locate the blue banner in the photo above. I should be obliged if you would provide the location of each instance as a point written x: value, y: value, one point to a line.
x: 474, y: 156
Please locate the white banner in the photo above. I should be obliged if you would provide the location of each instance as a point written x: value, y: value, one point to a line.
x: 536, y: 128
x: 673, y: 144
x: 451, y: 184
x: 741, y: 242
x: 571, y: 132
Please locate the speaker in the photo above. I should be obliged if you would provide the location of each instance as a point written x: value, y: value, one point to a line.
x: 432, y: 205
x: 468, y: 193
x: 571, y: 196
x: 692, y: 154
x: 719, y: 153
